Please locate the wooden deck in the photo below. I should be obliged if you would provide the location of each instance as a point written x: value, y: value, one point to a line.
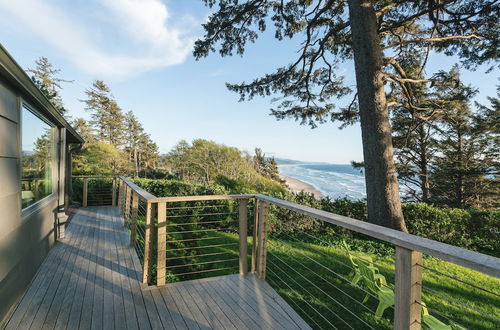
x: 91, y: 279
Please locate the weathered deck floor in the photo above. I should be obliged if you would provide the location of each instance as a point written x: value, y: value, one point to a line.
x: 90, y: 279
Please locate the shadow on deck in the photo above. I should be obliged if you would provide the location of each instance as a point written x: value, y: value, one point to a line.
x: 91, y: 279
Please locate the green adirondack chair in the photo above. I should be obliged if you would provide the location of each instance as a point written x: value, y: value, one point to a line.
x: 377, y: 285
x: 355, y: 273
x: 434, y: 323
x: 364, y: 270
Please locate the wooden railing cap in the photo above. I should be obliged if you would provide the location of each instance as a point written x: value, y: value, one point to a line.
x: 474, y: 260
x: 141, y: 192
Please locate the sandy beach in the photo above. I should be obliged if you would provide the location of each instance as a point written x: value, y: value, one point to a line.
x: 298, y: 186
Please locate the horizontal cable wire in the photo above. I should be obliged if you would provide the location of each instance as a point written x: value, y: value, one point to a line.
x: 195, y: 231
x: 338, y: 275
x: 330, y: 244
x: 203, y: 263
x: 201, y: 215
x: 338, y: 261
x: 458, y: 280
x: 192, y: 239
x: 293, y: 301
x: 197, y: 255
x: 204, y: 271
x: 196, y: 223
x: 320, y: 289
x: 196, y: 207
x: 444, y: 295
x: 201, y: 247
x: 320, y: 314
x: 335, y: 260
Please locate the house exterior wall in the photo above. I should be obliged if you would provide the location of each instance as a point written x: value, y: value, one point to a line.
x: 26, y: 236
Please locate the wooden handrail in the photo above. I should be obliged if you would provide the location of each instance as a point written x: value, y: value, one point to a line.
x: 201, y: 198
x: 474, y: 260
x: 94, y: 176
x: 141, y: 192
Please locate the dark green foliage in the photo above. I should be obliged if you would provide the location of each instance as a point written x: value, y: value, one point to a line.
x: 471, y: 229
x: 99, y: 190
x: 164, y: 188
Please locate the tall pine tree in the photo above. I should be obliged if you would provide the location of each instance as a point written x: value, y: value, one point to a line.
x: 461, y: 174
x: 107, y: 116
x: 45, y: 77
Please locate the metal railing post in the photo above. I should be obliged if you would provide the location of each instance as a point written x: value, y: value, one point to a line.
x: 161, y: 262
x: 408, y: 289
x: 262, y: 237
x: 85, y: 192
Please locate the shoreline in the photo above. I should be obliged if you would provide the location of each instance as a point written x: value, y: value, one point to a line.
x: 296, y: 186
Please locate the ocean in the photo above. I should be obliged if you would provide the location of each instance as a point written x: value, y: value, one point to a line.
x: 334, y: 180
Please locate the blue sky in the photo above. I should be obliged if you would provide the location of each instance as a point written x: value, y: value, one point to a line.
x: 142, y: 49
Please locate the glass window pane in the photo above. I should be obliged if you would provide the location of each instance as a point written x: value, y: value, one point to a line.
x: 36, y: 161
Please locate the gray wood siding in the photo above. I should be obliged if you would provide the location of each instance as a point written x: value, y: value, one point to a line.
x: 25, y: 240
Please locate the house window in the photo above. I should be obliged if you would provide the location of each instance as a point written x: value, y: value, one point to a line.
x: 38, y: 151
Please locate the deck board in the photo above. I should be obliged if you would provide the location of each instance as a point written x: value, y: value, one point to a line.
x: 91, y: 279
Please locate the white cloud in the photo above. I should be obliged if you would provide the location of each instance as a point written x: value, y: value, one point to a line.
x: 138, y: 35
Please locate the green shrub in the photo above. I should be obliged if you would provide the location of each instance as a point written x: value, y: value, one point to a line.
x: 166, y: 188
x: 471, y: 229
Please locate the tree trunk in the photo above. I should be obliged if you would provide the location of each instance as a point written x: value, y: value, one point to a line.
x: 459, y: 170
x: 424, y: 175
x: 136, y: 163
x: 382, y: 188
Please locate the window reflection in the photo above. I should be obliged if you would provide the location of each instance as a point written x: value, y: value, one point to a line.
x: 36, y: 161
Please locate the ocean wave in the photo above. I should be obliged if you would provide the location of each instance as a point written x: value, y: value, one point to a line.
x: 332, y: 180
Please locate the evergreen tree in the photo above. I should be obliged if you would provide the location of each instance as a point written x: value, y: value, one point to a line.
x: 414, y: 131
x: 45, y: 77
x: 133, y: 133
x: 107, y: 117
x: 462, y: 172
x: 83, y: 128
x: 333, y: 31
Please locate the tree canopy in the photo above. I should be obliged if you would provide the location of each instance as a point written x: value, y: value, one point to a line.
x: 376, y: 36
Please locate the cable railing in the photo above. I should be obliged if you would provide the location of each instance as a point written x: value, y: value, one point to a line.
x: 94, y: 190
x: 336, y: 272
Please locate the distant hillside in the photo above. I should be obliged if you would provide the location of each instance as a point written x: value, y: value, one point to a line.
x: 284, y: 161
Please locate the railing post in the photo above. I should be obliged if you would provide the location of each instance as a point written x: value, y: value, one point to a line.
x: 148, y: 240
x: 133, y: 218
x: 253, y: 267
x: 161, y: 262
x: 243, y: 231
x: 113, y: 193
x: 262, y: 247
x: 128, y: 191
x: 408, y: 289
x: 120, y: 195
x: 85, y: 192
